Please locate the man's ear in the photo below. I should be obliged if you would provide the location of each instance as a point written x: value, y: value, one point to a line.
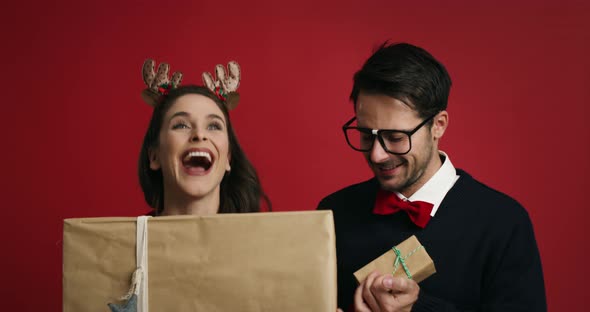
x: 154, y: 159
x: 439, y: 124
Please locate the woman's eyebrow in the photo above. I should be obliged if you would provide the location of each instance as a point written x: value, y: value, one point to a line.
x: 181, y: 113
x: 185, y: 114
x: 215, y: 116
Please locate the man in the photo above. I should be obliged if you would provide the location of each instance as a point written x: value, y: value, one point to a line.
x: 481, y: 241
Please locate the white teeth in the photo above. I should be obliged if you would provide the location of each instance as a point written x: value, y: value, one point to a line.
x: 197, y: 154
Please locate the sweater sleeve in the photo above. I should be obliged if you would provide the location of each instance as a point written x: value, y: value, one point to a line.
x: 517, y: 284
x: 516, y: 280
x: 427, y: 303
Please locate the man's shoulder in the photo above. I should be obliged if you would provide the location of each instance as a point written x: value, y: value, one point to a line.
x: 487, y: 198
x: 351, y: 193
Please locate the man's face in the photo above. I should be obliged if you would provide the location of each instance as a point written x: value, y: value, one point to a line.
x: 401, y: 173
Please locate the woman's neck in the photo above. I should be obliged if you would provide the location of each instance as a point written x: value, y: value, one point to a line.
x: 177, y: 204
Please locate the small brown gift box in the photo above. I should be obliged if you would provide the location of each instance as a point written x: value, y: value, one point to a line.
x: 413, y: 255
x: 279, y: 261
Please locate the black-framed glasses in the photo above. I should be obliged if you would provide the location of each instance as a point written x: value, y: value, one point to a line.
x: 397, y: 142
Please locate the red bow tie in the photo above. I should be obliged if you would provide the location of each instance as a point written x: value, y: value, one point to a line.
x: 388, y: 203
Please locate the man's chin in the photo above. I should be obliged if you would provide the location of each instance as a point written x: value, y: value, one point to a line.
x: 390, y: 184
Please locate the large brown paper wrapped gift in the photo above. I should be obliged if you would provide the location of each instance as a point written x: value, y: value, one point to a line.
x: 281, y: 261
x: 414, y: 255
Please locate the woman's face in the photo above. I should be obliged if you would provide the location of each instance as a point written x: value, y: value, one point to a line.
x: 193, y: 149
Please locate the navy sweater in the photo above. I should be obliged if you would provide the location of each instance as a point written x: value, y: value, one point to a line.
x: 481, y: 241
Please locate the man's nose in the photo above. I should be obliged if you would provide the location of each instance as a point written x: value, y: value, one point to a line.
x: 377, y: 153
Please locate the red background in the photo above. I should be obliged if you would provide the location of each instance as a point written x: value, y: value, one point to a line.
x: 73, y: 119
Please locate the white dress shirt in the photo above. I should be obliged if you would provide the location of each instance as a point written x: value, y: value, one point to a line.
x: 435, y: 189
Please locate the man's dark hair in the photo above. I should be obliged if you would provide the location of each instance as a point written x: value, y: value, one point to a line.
x: 407, y: 73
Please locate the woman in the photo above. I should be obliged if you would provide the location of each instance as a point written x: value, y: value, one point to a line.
x: 190, y: 161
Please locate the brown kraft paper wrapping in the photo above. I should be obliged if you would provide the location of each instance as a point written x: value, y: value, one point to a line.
x: 280, y: 261
x: 419, y: 263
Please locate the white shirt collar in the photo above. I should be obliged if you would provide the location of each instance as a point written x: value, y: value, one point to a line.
x: 435, y: 189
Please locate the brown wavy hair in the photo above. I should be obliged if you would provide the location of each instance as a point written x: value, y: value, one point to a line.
x: 240, y: 189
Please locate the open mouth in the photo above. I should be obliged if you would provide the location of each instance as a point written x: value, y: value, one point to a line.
x: 197, y: 161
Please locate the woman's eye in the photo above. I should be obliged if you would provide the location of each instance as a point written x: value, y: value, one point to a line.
x: 180, y: 125
x: 215, y: 126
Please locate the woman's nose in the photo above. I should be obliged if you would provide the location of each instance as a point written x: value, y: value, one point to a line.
x: 198, y: 135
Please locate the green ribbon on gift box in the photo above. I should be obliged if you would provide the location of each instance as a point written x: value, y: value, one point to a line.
x: 399, y: 259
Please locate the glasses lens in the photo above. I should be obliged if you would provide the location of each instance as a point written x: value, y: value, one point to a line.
x: 359, y: 140
x: 362, y: 140
x: 396, y: 142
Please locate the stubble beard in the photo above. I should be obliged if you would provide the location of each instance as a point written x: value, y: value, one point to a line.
x: 412, y: 177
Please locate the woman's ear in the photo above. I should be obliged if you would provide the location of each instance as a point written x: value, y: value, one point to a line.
x: 228, y: 165
x: 439, y: 124
x: 154, y: 159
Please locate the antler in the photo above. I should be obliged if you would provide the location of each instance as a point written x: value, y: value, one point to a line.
x: 158, y: 82
x: 225, y: 86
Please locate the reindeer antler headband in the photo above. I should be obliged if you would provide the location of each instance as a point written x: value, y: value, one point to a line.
x: 159, y: 84
x: 225, y: 86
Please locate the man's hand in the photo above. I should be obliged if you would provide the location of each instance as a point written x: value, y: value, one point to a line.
x: 385, y: 293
